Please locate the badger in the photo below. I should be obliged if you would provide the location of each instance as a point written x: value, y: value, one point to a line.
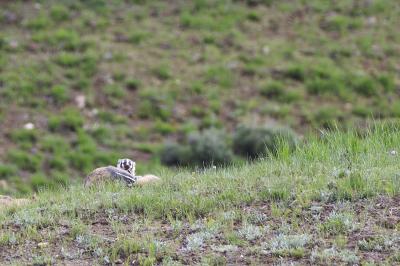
x: 124, y: 171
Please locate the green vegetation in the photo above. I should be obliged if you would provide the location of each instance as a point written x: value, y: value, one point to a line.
x: 263, y: 107
x: 83, y: 83
x: 326, y: 202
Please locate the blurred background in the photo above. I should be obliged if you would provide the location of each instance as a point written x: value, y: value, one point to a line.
x: 191, y: 83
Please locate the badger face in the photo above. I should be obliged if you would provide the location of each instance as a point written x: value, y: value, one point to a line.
x: 128, y: 165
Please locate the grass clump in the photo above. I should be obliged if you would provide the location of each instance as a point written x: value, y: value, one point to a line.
x: 7, y: 170
x: 69, y: 120
x: 59, y: 93
x: 25, y: 161
x: 59, y: 13
x: 138, y: 37
x: 340, y: 23
x: 162, y: 72
x: 338, y: 223
x: 273, y: 89
x: 24, y: 137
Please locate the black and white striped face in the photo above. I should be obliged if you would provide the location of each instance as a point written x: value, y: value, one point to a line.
x: 127, y: 165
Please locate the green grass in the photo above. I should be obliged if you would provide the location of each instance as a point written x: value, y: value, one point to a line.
x: 107, y: 79
x: 298, y: 206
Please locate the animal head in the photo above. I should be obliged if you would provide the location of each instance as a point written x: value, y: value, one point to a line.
x: 127, y: 165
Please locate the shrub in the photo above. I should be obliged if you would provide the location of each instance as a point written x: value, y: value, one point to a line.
x: 133, y: 84
x: 102, y: 134
x: 81, y: 161
x: 221, y: 76
x: 60, y: 178
x: 174, y: 154
x: 7, y: 170
x: 68, y: 59
x: 296, y: 72
x: 327, y: 117
x: 54, y: 144
x: 70, y: 120
x: 253, y: 16
x: 164, y: 128
x: 38, y: 23
x: 257, y: 2
x: 59, y: 13
x: 24, y: 160
x: 39, y: 181
x: 209, y: 147
x: 138, y: 37
x: 110, y: 117
x: 87, y: 63
x: 340, y: 23
x: 155, y: 103
x: 65, y: 39
x: 162, y: 72
x: 338, y: 223
x: 114, y: 91
x: 274, y: 89
x: 387, y: 82
x: 202, y: 149
x: 364, y: 85
x: 260, y: 141
x: 22, y: 136
x: 57, y: 163
x: 325, y: 86
x: 59, y: 94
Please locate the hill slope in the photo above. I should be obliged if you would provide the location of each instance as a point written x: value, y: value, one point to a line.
x: 99, y: 80
x: 335, y: 200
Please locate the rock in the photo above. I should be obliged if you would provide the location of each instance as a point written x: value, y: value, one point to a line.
x: 29, y: 126
x: 80, y: 101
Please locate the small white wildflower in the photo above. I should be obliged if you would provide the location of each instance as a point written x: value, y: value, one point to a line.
x: 393, y: 152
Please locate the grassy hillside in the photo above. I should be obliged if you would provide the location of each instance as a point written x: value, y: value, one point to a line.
x: 334, y: 200
x: 83, y: 83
